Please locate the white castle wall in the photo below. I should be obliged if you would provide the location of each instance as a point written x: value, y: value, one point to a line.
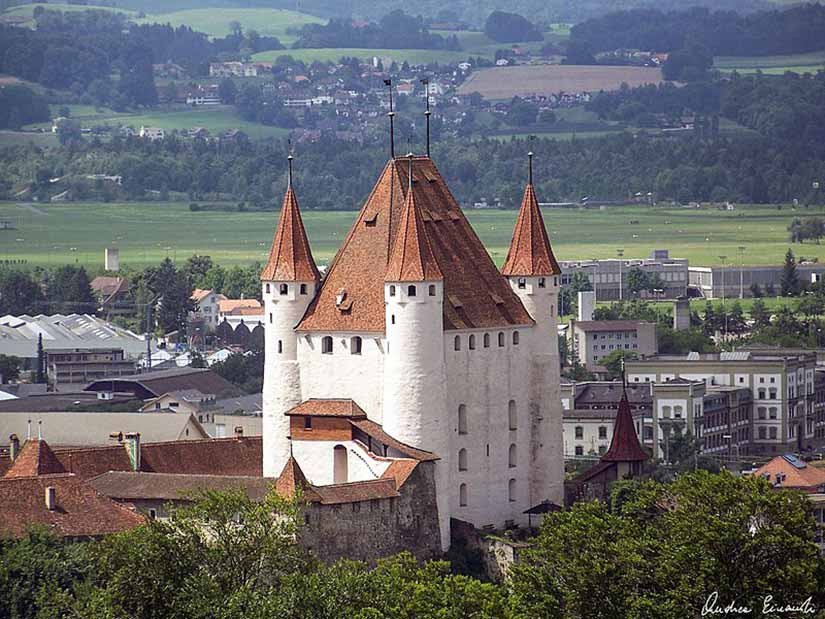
x: 316, y: 459
x: 342, y: 374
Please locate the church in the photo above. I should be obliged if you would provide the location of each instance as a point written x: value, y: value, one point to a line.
x: 414, y: 352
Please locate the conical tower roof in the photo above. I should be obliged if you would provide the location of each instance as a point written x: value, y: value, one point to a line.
x: 292, y: 478
x: 530, y: 253
x: 412, y: 259
x: 36, y: 458
x: 624, y: 447
x: 290, y: 259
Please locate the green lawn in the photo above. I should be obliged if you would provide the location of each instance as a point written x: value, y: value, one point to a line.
x: 215, y: 21
x: 144, y: 231
x: 799, y: 63
x: 15, y: 138
x: 217, y: 119
x: 332, y: 54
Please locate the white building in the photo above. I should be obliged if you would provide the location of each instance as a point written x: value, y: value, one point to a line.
x: 207, y: 306
x: 415, y: 342
x: 152, y: 133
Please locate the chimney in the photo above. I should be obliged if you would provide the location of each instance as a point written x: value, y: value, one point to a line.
x: 131, y: 441
x: 51, y: 498
x: 14, y: 447
x: 238, y: 431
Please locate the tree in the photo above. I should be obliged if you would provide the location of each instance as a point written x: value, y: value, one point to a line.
x: 173, y: 291
x: 522, y: 113
x: 196, y: 269
x: 614, y: 362
x: 70, y: 291
x: 637, y: 280
x: 759, y: 314
x: 227, y: 90
x: 196, y: 360
x: 756, y: 290
x: 736, y: 319
x: 40, y: 373
x: 137, y: 84
x: 20, y: 294
x: 790, y: 278
x: 10, y: 368
x: 510, y: 28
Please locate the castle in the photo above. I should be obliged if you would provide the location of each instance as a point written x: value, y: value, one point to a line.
x: 415, y: 353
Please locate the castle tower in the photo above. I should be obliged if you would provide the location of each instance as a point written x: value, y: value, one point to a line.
x: 415, y: 400
x: 533, y: 273
x: 289, y: 280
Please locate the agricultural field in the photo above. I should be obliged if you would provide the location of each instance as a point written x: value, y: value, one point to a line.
x: 772, y: 65
x: 502, y: 83
x: 216, y: 119
x: 332, y: 54
x: 215, y: 22
x: 52, y: 234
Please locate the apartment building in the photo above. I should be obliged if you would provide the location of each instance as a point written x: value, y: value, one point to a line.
x: 783, y: 386
x: 81, y: 366
x: 592, y: 340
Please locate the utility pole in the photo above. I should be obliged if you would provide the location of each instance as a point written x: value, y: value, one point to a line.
x: 741, y: 271
x: 724, y: 277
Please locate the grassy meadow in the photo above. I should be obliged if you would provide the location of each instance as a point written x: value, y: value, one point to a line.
x: 52, y: 234
x: 772, y: 65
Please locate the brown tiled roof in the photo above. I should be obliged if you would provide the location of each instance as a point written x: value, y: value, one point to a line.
x: 35, y: 458
x: 400, y: 470
x: 130, y: 485
x: 290, y: 258
x: 154, y: 384
x: 808, y: 478
x: 199, y: 294
x: 292, y: 478
x: 318, y: 407
x: 412, y: 257
x: 624, y: 446
x: 356, y: 491
x: 226, y: 306
x: 80, y: 510
x: 530, y: 253
x: 375, y: 431
x: 475, y: 293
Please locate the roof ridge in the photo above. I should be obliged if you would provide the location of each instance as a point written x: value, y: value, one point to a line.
x: 530, y: 253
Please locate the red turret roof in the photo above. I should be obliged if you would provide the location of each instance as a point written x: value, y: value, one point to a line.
x: 475, y: 293
x: 412, y: 257
x: 290, y: 258
x: 292, y: 478
x: 624, y: 447
x: 530, y: 253
x: 35, y: 459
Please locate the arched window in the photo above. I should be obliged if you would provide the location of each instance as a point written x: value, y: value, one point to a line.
x: 267, y: 289
x: 355, y: 346
x: 326, y: 345
x: 462, y: 495
x: 501, y: 339
x: 462, y: 459
x: 512, y: 456
x: 462, y: 419
x: 339, y: 465
x: 486, y: 340
x: 542, y: 282
x: 511, y: 491
x: 515, y: 338
x: 303, y: 288
x: 283, y: 289
x: 392, y: 291
x: 280, y: 346
x: 457, y: 342
x: 511, y: 414
x: 472, y: 344
x: 411, y: 291
x: 432, y: 290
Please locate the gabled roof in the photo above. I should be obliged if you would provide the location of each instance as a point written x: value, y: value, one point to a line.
x: 318, y: 407
x: 530, y: 253
x: 36, y: 458
x: 624, y: 447
x: 136, y: 485
x: 292, y: 478
x: 783, y: 472
x: 412, y: 257
x: 475, y: 293
x: 290, y: 258
x: 375, y: 431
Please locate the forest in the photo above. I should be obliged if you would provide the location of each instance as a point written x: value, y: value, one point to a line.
x: 723, y: 33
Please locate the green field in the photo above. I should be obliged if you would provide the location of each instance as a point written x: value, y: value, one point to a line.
x: 332, y: 54
x: 148, y: 232
x: 217, y: 119
x: 772, y: 65
x: 215, y: 22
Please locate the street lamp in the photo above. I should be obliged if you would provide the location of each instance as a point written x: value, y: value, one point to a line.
x: 724, y: 306
x: 620, y: 254
x: 742, y: 249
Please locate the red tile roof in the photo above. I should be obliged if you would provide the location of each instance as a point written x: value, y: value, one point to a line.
x: 808, y: 478
x: 292, y: 478
x: 475, y: 293
x: 130, y: 485
x: 35, y: 458
x: 318, y: 407
x: 412, y: 257
x: 80, y: 510
x: 400, y: 470
x: 374, y: 430
x: 290, y: 258
x: 357, y: 491
x: 530, y: 253
x: 624, y: 447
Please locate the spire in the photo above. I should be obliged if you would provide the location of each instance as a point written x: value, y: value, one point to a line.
x: 292, y: 478
x: 427, y: 113
x: 36, y: 458
x: 530, y: 253
x: 411, y: 258
x: 391, y: 115
x: 290, y: 258
x: 624, y: 447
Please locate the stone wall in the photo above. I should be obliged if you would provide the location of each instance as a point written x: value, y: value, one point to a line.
x: 370, y: 530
